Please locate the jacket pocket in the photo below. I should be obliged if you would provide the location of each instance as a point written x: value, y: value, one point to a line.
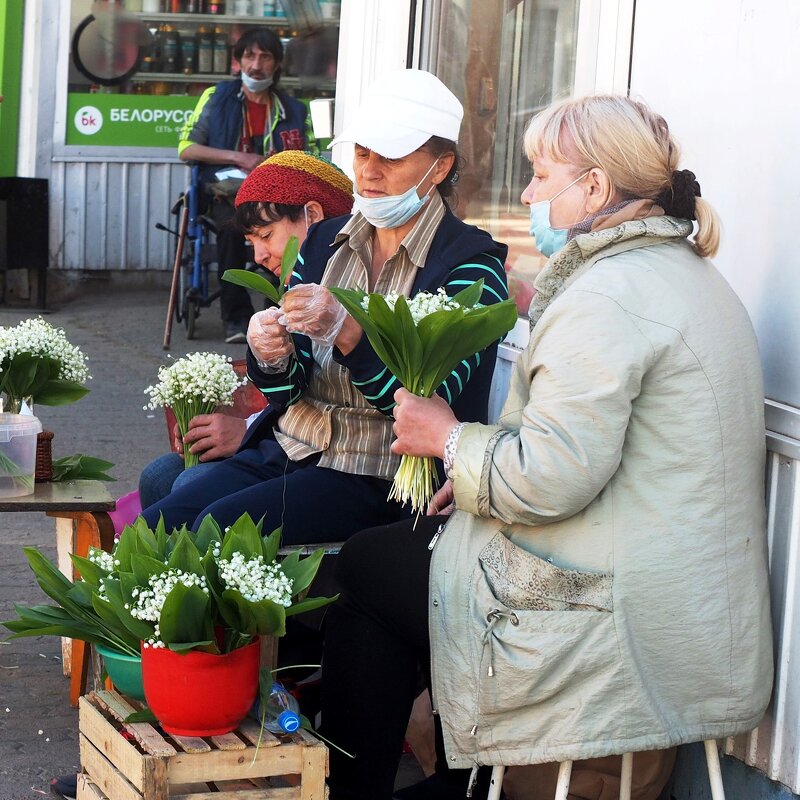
x: 522, y: 580
x: 540, y: 651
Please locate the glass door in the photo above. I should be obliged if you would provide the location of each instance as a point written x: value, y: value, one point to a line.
x: 504, y: 60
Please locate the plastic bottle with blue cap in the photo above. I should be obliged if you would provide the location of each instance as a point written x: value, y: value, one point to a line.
x: 283, y: 712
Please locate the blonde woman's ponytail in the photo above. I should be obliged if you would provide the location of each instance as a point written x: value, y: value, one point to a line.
x: 706, y: 240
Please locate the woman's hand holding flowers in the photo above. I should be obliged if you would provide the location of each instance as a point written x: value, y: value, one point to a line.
x: 268, y: 339
x: 421, y: 424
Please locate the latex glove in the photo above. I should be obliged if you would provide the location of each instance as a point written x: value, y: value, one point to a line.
x: 214, y: 436
x: 269, y: 340
x: 312, y: 310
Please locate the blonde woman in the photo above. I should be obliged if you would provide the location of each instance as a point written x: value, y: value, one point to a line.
x: 601, y: 586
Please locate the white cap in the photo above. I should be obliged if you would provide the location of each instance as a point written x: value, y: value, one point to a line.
x: 401, y: 111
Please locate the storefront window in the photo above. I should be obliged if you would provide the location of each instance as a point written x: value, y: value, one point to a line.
x: 156, y: 56
x: 504, y: 60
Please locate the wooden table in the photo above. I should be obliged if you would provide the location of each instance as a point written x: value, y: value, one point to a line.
x: 80, y: 509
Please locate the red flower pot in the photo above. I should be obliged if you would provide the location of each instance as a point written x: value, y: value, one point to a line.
x: 200, y: 694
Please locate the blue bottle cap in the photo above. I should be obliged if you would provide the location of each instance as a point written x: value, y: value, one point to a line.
x: 289, y: 721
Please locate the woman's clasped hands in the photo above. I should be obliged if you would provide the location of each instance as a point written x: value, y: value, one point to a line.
x: 308, y: 309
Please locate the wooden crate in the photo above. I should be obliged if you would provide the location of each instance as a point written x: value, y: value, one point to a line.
x: 135, y: 761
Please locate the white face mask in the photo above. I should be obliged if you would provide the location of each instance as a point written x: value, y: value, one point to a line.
x: 256, y: 84
x: 395, y: 210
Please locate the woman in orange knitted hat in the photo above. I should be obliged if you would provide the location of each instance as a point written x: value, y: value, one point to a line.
x: 283, y: 196
x: 280, y: 198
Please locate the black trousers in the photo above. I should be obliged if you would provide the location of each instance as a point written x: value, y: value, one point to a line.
x: 376, y: 640
x: 235, y: 304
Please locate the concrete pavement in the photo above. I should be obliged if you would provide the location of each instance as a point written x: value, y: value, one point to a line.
x: 120, y: 330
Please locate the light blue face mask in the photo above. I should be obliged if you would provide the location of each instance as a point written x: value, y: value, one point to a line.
x: 395, y: 210
x: 548, y: 239
x: 256, y: 84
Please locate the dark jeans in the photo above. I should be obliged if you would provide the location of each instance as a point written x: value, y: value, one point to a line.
x: 376, y: 639
x: 313, y: 504
x: 235, y: 304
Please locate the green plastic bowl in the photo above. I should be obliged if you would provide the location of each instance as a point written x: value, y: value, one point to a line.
x: 125, y: 671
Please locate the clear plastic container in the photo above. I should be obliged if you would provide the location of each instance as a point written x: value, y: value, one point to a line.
x: 18, y: 454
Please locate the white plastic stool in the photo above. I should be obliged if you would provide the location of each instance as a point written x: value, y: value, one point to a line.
x: 625, y: 778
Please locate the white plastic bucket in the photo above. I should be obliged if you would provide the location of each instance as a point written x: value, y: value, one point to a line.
x: 18, y: 454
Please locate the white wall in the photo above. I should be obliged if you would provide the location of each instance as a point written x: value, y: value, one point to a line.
x: 724, y: 74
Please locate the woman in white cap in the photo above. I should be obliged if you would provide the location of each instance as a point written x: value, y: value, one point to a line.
x: 601, y: 586
x: 318, y: 462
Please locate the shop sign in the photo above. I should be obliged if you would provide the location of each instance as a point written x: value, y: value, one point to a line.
x: 119, y: 120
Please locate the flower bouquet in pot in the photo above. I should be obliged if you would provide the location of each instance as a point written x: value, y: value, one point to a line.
x: 192, y: 385
x: 38, y: 365
x: 190, y: 605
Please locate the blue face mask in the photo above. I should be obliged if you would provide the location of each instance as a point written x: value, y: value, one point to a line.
x: 548, y: 239
x: 256, y: 84
x: 395, y: 210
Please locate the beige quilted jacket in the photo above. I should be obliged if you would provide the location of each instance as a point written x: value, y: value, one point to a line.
x: 603, y: 586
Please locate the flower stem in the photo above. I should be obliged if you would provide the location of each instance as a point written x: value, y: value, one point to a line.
x: 416, y: 481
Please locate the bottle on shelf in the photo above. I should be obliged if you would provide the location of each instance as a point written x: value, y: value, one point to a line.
x: 267, y: 8
x: 215, y: 6
x: 205, y: 50
x: 194, y: 6
x: 188, y: 52
x: 282, y: 712
x: 152, y: 6
x: 220, y: 53
x: 170, y: 48
x: 243, y: 8
x: 176, y: 6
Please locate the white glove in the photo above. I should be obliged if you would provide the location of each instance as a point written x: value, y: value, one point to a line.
x: 312, y: 310
x: 269, y: 340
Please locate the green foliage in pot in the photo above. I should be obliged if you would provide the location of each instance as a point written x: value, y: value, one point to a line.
x: 183, y: 590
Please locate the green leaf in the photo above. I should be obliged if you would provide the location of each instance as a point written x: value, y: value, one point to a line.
x: 288, y: 260
x: 250, y: 280
x: 145, y: 566
x: 270, y: 546
x: 264, y: 618
x: 118, y: 594
x: 184, y: 617
x: 59, y: 392
x: 411, y: 343
x: 244, y: 537
x: 90, y: 572
x: 207, y: 533
x: 309, y: 604
x: 81, y: 593
x: 302, y: 572
x: 145, y: 715
x: 469, y: 296
x: 185, y: 556
x: 81, y: 467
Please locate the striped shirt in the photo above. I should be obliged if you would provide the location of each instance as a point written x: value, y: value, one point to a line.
x: 344, y: 416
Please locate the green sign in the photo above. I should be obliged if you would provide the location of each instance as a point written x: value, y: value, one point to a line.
x: 127, y: 120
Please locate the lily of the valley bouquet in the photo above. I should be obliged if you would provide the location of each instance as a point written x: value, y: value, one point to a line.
x: 193, y: 385
x: 38, y: 365
x: 209, y: 591
x: 422, y: 340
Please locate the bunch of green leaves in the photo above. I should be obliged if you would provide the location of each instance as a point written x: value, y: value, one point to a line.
x: 222, y: 619
x: 251, y: 280
x: 81, y: 467
x: 36, y: 376
x: 422, y: 355
x: 96, y: 608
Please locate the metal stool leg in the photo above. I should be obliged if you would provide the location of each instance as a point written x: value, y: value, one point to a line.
x: 562, y: 787
x: 714, y: 772
x: 626, y: 777
x: 496, y: 783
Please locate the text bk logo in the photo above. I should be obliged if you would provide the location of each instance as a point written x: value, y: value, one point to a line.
x: 88, y: 120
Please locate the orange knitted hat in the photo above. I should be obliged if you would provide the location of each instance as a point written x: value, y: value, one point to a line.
x: 295, y: 177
